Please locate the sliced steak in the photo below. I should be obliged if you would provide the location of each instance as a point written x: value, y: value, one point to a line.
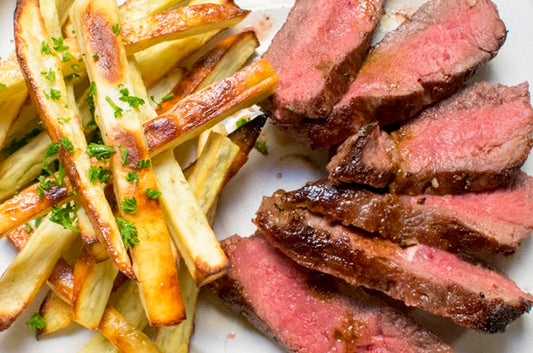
x: 485, y: 222
x: 317, y: 53
x: 476, y: 140
x: 420, y: 276
x: 310, y: 312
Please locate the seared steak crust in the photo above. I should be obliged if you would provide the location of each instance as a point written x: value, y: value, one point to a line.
x: 306, y: 311
x: 476, y: 140
x: 420, y: 276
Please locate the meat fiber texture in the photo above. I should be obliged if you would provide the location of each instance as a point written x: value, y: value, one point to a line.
x: 470, y: 223
x: 420, y: 276
x: 426, y: 59
x: 473, y: 141
x: 317, y: 53
x: 309, y: 312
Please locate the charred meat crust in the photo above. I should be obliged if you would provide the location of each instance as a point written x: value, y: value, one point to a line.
x: 339, y: 252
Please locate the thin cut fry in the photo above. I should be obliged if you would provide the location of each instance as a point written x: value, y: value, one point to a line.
x: 63, y: 125
x: 179, y: 23
x: 56, y: 313
x: 133, y: 177
x: 30, y: 269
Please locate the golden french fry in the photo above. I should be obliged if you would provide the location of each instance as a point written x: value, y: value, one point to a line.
x: 56, y: 313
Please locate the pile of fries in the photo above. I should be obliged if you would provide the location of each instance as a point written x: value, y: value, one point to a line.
x: 94, y: 102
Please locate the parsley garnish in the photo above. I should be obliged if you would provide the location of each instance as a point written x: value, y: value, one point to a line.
x: 118, y: 110
x: 44, y: 185
x: 261, y: 146
x: 124, y: 152
x: 67, y: 144
x: 96, y: 57
x: 128, y: 232
x: 45, y: 48
x: 144, y: 163
x: 129, y: 205
x: 55, y: 94
x: 241, y: 122
x: 98, y: 173
x: 133, y: 101
x: 65, y: 216
x: 38, y: 221
x: 116, y: 29
x: 58, y: 44
x: 2, y: 86
x: 67, y: 56
x: 153, y: 194
x: 50, y: 76
x: 290, y: 108
x: 99, y: 151
x: 28, y: 228
x: 167, y: 97
x: 52, y: 150
x: 63, y: 120
x: 36, y: 322
x: 75, y: 67
x: 132, y: 177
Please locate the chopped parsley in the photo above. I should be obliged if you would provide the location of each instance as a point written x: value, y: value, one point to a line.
x: 96, y: 57
x: 65, y: 142
x: 132, y: 177
x: 38, y: 221
x: 45, y: 48
x: 52, y: 150
x: 153, y: 194
x: 133, y: 101
x: 55, y: 94
x: 144, y: 163
x: 118, y: 110
x: 241, y: 122
x: 290, y: 108
x: 116, y: 29
x: 28, y: 228
x: 261, y: 146
x: 2, y: 86
x: 50, y: 76
x: 44, y: 185
x: 167, y: 97
x: 98, y: 173
x: 99, y: 151
x: 129, y: 205
x: 65, y: 216
x: 62, y: 121
x: 75, y: 67
x: 128, y: 232
x: 58, y: 44
x: 36, y: 322
x: 90, y: 98
x: 124, y: 153
x: 67, y: 56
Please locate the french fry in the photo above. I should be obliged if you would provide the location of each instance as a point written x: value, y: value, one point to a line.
x: 93, y: 282
x: 179, y: 23
x: 10, y: 110
x: 245, y: 88
x: 51, y: 96
x: 56, y: 313
x: 134, y: 9
x: 31, y: 268
x: 151, y: 252
x: 221, y: 61
x: 23, y: 128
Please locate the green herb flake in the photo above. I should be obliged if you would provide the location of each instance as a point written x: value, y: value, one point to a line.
x: 153, y: 194
x: 52, y: 150
x: 75, y: 67
x: 241, y: 122
x: 129, y: 205
x: 62, y: 121
x: 132, y: 177
x: 144, y: 163
x: 38, y: 221
x: 99, y: 151
x: 66, y: 57
x: 133, y: 101
x: 261, y: 146
x: 45, y: 48
x: 36, y: 322
x: 128, y: 231
x: 44, y: 185
x: 50, y: 76
x: 96, y: 57
x: 98, y: 173
x: 2, y: 86
x: 58, y: 44
x: 116, y: 29
x: 65, y: 216
x: 290, y: 108
x: 28, y: 228
x: 117, y: 110
x: 55, y: 94
x: 167, y: 97
x: 124, y: 153
x: 65, y: 142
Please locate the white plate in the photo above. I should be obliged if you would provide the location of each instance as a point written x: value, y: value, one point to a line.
x: 289, y: 166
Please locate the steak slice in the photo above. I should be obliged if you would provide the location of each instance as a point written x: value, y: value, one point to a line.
x: 420, y: 276
x: 306, y: 311
x: 317, y: 53
x: 476, y: 140
x: 485, y: 222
